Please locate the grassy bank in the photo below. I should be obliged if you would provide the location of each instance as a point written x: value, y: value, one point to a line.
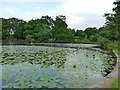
x: 115, y: 84
x: 116, y: 48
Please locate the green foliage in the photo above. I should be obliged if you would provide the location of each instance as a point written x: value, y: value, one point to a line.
x: 47, y: 30
x: 90, y: 31
x: 40, y: 30
x: 103, y: 42
x: 115, y: 46
x: 29, y: 38
x: 113, y: 23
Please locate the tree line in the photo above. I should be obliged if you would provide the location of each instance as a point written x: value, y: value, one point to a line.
x: 47, y: 30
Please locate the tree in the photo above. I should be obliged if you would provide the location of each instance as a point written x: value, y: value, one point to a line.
x: 29, y: 38
x: 59, y: 31
x: 103, y: 42
x: 47, y: 21
x: 19, y: 33
x: 80, y: 36
x: 5, y: 30
x: 113, y: 22
x: 91, y: 32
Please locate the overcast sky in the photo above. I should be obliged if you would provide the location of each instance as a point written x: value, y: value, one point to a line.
x: 80, y: 14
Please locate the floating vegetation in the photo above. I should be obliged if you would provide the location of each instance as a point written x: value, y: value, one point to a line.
x: 52, y: 67
x: 34, y: 56
x: 74, y: 66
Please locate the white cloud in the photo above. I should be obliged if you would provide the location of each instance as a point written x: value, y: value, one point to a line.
x: 85, y: 6
x: 79, y: 13
x: 31, y: 0
x: 84, y: 13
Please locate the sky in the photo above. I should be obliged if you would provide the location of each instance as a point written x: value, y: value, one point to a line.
x: 80, y: 14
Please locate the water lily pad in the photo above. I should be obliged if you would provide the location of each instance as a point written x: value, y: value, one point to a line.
x: 50, y: 67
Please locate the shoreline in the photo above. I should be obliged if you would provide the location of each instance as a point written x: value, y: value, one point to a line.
x: 107, y: 81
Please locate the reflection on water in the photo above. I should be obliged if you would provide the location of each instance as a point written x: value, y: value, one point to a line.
x: 52, y: 67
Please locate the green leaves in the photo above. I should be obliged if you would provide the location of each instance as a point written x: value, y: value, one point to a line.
x: 29, y: 38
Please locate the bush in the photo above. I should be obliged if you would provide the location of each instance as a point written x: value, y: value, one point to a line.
x: 103, y: 42
x: 29, y: 38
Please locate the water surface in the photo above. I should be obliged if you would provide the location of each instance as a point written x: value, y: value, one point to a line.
x: 51, y: 67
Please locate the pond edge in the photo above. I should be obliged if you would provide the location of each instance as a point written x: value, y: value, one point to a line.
x: 107, y: 81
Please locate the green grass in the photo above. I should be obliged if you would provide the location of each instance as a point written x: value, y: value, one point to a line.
x: 115, y: 84
x: 116, y: 48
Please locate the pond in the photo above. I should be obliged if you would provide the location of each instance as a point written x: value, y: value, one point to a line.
x: 53, y: 67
